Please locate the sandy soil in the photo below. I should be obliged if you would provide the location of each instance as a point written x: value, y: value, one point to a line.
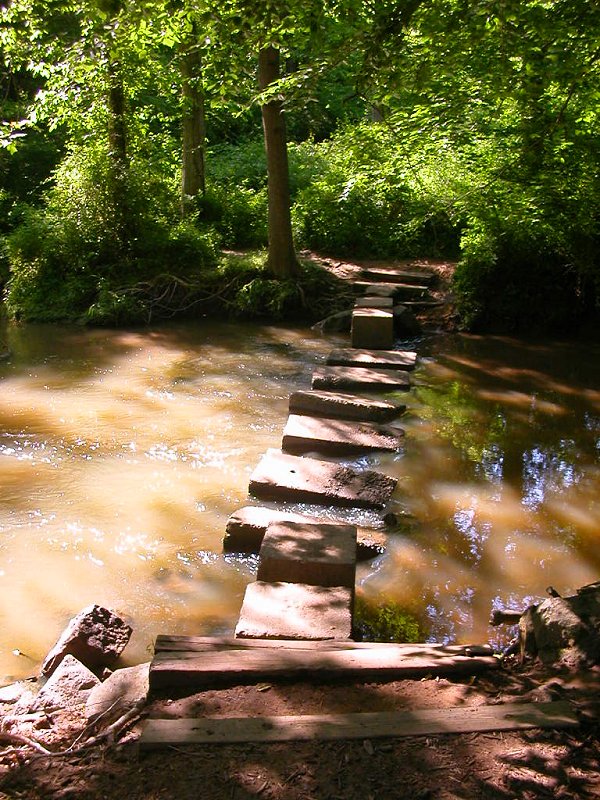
x: 499, y: 766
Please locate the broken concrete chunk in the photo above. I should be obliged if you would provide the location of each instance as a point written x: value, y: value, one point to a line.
x: 295, y: 611
x: 96, y: 637
x: 68, y: 687
x: 563, y: 631
x: 123, y: 690
x: 372, y: 301
x: 372, y: 327
x: 344, y: 406
x: 246, y: 528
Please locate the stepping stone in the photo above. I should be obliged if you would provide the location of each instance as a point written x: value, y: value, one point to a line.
x: 304, y: 434
x: 295, y: 611
x: 344, y: 406
x: 372, y: 327
x: 246, y: 528
x: 413, y: 277
x: 390, y: 289
x: 374, y: 302
x: 283, y: 477
x: 318, y: 554
x: 360, y: 378
x: 377, y: 359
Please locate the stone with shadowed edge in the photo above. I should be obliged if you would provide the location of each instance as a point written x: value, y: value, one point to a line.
x: 295, y: 611
x: 319, y: 554
x: 373, y: 328
x: 279, y: 476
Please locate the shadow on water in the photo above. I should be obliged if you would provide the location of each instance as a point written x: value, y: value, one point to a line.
x: 122, y: 453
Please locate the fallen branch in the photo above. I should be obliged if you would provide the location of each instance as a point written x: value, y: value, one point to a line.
x: 111, y: 732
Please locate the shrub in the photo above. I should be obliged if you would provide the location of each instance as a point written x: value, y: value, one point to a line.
x: 81, y: 249
x: 387, y: 621
x: 364, y: 201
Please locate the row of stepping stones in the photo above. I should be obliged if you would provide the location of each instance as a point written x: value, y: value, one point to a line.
x: 307, y: 566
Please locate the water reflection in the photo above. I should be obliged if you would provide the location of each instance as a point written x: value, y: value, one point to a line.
x: 122, y: 453
x: 502, y: 473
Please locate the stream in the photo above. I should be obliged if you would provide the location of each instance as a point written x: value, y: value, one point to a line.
x: 123, y: 453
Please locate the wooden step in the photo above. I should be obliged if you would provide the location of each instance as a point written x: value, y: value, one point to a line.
x: 344, y: 406
x: 372, y: 359
x: 361, y: 378
x: 366, y: 725
x: 303, y: 434
x: 204, y: 661
x: 246, y: 527
x: 279, y: 476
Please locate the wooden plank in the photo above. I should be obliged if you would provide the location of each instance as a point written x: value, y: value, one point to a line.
x: 366, y: 725
x: 234, y: 667
x: 201, y: 644
x: 375, y: 359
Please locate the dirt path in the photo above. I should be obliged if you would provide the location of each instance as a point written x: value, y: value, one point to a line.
x: 499, y: 766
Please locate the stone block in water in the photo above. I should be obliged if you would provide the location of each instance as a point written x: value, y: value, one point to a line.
x: 320, y: 554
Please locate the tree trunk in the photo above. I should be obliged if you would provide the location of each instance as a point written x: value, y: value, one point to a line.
x: 118, y: 160
x: 193, y: 131
x: 282, y: 261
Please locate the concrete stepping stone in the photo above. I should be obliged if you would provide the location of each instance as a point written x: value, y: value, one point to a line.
x: 376, y: 359
x: 374, y: 302
x: 318, y: 554
x: 344, y: 406
x: 304, y: 434
x: 360, y: 378
x: 372, y: 327
x: 295, y: 611
x: 390, y: 275
x: 246, y: 527
x: 390, y: 289
x: 279, y: 476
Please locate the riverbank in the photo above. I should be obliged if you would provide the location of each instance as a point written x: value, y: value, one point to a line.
x: 487, y: 766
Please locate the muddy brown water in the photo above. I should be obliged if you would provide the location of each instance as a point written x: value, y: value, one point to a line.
x: 122, y: 454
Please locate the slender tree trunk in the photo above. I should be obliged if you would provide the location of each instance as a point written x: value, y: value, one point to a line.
x: 282, y: 261
x: 193, y: 178
x: 117, y: 152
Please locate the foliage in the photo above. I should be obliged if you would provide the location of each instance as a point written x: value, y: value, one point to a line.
x: 69, y: 256
x: 368, y: 200
x: 313, y: 294
x: 387, y: 621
